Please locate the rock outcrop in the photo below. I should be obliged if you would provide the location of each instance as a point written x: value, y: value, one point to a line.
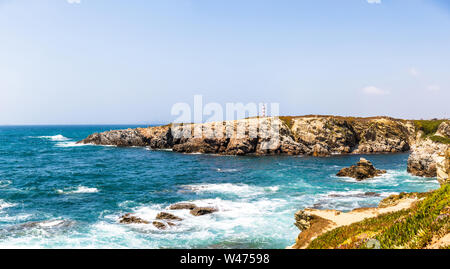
x: 200, y: 211
x: 444, y: 130
x: 362, y: 170
x: 167, y: 216
x: 443, y: 168
x: 130, y: 219
x: 159, y: 225
x: 308, y: 135
x: 181, y: 206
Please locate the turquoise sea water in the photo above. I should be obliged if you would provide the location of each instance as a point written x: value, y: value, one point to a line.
x: 56, y: 194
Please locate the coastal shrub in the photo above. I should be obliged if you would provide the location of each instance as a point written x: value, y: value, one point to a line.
x: 337, y: 237
x: 410, y: 228
x: 417, y: 230
x: 287, y: 120
x: 440, y: 139
x: 429, y: 127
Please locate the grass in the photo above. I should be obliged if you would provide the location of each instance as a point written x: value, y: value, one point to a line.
x: 411, y: 228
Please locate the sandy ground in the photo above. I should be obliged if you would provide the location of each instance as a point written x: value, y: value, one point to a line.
x: 357, y: 215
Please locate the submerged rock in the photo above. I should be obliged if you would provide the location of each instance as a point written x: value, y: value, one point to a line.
x: 200, y: 211
x: 130, y: 219
x: 167, y: 216
x: 159, y: 225
x: 372, y: 194
x: 181, y: 206
x: 362, y: 170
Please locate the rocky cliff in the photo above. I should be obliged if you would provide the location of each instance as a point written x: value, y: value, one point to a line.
x: 429, y: 146
x: 303, y: 135
x: 311, y: 135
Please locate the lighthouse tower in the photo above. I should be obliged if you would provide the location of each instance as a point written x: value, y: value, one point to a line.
x: 263, y: 111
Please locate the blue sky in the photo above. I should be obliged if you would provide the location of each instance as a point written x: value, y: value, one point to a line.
x: 117, y: 61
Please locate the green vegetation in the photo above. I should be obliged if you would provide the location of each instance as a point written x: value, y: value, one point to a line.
x: 344, y: 237
x: 429, y: 218
x: 429, y: 127
x: 411, y: 228
x: 287, y: 120
x: 440, y: 139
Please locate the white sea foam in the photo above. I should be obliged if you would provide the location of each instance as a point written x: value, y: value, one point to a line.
x: 70, y: 144
x: 5, y: 183
x: 4, y: 204
x: 228, y: 188
x: 149, y: 148
x: 80, y: 189
x: 55, y: 138
x: 230, y: 215
x: 14, y: 218
x: 230, y: 170
x: 51, y: 223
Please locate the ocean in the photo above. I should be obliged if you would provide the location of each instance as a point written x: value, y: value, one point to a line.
x: 57, y: 194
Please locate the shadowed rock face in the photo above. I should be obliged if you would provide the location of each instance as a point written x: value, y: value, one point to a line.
x: 362, y: 170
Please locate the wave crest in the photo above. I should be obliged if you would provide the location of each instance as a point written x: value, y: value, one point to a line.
x: 80, y: 189
x: 55, y: 137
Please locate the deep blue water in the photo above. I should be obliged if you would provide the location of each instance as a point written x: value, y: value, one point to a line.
x: 55, y: 194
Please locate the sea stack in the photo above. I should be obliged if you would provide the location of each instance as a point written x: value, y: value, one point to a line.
x: 362, y: 170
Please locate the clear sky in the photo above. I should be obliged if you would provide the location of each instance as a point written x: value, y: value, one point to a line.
x: 119, y: 61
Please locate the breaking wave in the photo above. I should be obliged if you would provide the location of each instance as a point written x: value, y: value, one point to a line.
x: 80, y: 189
x: 228, y: 188
x: 55, y: 137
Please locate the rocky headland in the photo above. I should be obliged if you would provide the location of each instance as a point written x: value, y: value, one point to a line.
x: 302, y: 135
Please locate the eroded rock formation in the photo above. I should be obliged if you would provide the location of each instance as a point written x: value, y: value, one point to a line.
x: 443, y: 168
x: 427, y: 151
x: 362, y: 170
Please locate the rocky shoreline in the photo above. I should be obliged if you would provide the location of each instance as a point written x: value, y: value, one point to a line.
x: 303, y: 135
x: 362, y: 226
